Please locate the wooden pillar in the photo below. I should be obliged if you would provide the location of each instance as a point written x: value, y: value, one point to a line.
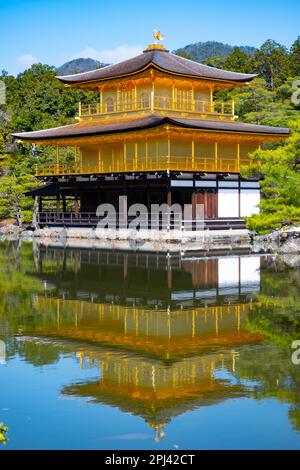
x: 64, y: 203
x: 101, y: 100
x: 135, y: 97
x: 152, y: 94
x: 196, y: 198
x: 99, y: 159
x: 216, y: 155
x: 125, y: 156
x: 35, y: 212
x: 147, y: 154
x: 148, y: 199
x: 76, y: 203
x: 169, y: 153
x: 40, y: 204
x: 57, y: 203
x: 80, y: 161
x: 76, y: 206
x: 135, y: 156
x: 118, y: 99
x: 169, y: 197
x: 75, y: 159
x: 170, y: 216
x: 57, y: 159
x: 239, y: 198
x: 193, y: 98
x: 238, y: 157
x: 112, y: 167
x: 193, y: 154
x: 173, y: 94
x: 211, y: 100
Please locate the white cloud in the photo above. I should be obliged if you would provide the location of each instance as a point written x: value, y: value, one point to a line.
x: 110, y: 56
x: 27, y: 60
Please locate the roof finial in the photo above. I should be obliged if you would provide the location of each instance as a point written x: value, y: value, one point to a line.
x: 157, y: 36
x: 156, y: 45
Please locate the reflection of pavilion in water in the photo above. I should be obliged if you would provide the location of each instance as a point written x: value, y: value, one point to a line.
x: 159, y: 332
x: 156, y: 391
x: 149, y: 280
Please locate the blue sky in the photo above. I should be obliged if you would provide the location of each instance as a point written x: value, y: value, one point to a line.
x: 53, y: 32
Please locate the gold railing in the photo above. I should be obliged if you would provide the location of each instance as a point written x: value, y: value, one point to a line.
x: 157, y: 163
x: 157, y: 103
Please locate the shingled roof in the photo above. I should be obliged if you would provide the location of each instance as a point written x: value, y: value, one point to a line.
x: 157, y: 59
x: 94, y: 129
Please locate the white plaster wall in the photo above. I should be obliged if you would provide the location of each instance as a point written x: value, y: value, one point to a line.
x: 249, y: 200
x: 228, y: 203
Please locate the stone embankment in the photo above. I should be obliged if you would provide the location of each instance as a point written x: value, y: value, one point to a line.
x: 284, y: 241
x: 143, y: 240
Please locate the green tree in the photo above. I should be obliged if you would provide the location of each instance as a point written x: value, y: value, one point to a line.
x: 271, y: 62
x: 35, y: 99
x: 184, y: 54
x: 294, y: 58
x: 237, y: 61
x: 259, y: 105
x: 252, y: 99
x: 13, y: 202
x: 278, y: 169
x: 216, y: 61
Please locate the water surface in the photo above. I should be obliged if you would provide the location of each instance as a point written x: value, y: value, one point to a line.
x: 104, y: 350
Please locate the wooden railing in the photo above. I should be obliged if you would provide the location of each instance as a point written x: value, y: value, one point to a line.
x: 159, y: 103
x: 169, y: 221
x: 157, y: 163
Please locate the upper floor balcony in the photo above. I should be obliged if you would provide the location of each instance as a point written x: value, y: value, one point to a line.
x: 151, y: 155
x: 188, y: 108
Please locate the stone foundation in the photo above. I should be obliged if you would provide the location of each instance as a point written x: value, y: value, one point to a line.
x: 144, y: 240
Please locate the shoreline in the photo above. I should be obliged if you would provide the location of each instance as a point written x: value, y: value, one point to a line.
x: 285, y: 241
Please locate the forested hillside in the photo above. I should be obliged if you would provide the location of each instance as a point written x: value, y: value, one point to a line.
x: 78, y: 66
x: 35, y: 99
x: 202, y: 51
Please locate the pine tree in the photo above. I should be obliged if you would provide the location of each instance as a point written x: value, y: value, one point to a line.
x: 237, y: 61
x: 13, y: 202
x: 278, y: 170
x: 294, y: 58
x: 271, y: 62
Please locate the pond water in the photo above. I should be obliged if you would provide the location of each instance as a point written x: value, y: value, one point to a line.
x: 106, y: 350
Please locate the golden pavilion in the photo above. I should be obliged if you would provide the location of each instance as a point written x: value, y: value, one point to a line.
x: 155, y: 134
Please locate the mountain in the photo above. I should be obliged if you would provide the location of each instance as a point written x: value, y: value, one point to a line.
x: 201, y: 51
x: 79, y: 65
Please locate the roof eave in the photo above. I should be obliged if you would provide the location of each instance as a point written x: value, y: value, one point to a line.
x: 150, y: 65
x: 162, y: 122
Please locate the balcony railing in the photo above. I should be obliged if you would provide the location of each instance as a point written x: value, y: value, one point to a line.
x: 160, y: 103
x: 170, y: 221
x: 159, y: 163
